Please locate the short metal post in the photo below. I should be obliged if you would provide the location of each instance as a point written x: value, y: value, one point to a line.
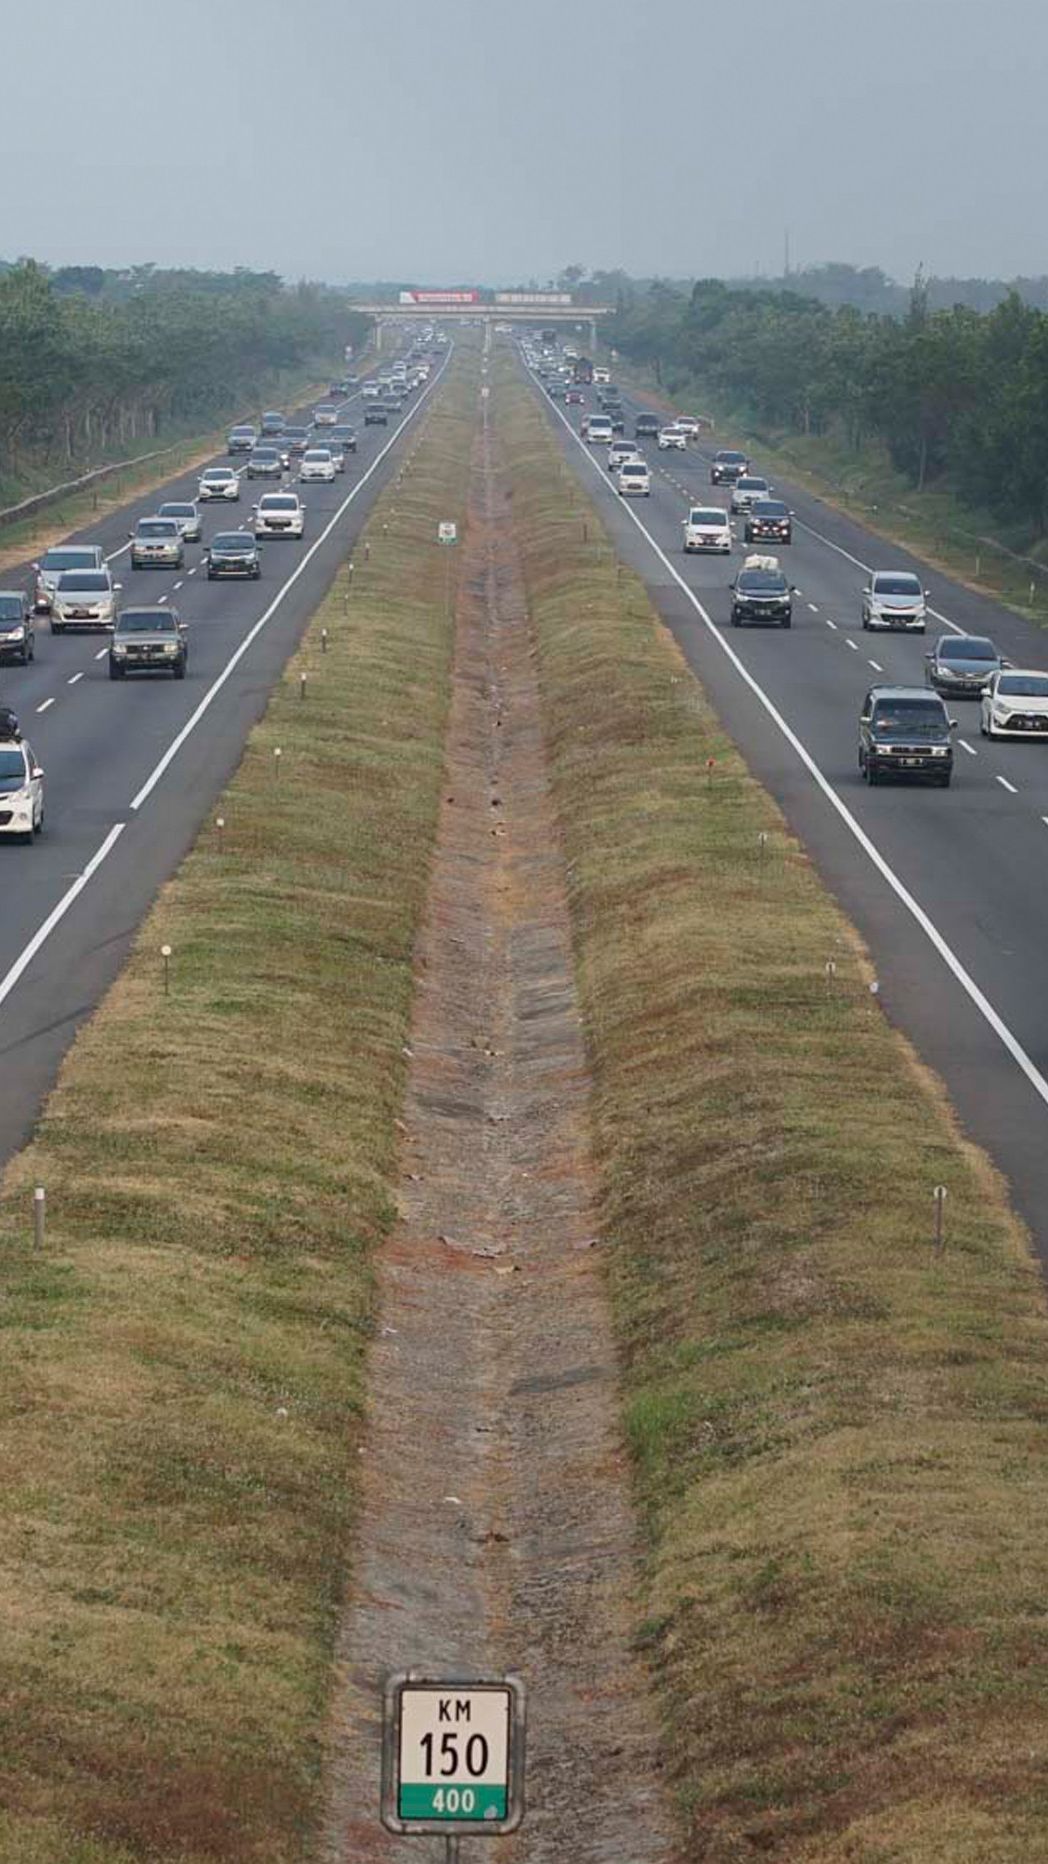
x: 165, y: 953
x: 367, y: 551
x: 452, y: 1852
x: 1033, y: 592
x: 710, y: 765
x: 220, y: 825
x: 762, y: 847
x: 323, y: 640
x: 39, y: 1215
x: 831, y: 972
x: 940, y: 1195
x: 302, y: 685
x: 277, y: 755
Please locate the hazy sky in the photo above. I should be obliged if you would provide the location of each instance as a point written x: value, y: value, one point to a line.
x: 490, y: 141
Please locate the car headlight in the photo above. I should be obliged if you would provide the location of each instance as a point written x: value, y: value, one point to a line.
x: 12, y: 634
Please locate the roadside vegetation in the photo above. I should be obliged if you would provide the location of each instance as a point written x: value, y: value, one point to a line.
x: 181, y: 1382
x: 97, y: 366
x: 839, y: 1436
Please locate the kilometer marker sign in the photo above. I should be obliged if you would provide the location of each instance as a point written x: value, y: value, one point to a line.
x: 453, y: 1754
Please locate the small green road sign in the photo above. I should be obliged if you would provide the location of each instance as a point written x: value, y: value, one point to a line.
x: 447, y: 531
x: 453, y: 1754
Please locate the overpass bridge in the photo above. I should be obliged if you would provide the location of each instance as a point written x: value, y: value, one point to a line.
x: 463, y: 309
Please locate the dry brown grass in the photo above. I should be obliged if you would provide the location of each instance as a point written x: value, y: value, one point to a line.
x: 181, y: 1380
x: 840, y: 1440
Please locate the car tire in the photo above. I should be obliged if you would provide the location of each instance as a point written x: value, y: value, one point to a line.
x: 734, y: 619
x: 57, y: 627
x: 872, y: 774
x: 180, y: 670
x: 115, y: 672
x: 788, y: 622
x: 944, y: 782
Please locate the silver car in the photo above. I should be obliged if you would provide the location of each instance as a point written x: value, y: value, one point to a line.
x: 156, y: 543
x: 55, y: 562
x: 187, y: 515
x: 83, y: 599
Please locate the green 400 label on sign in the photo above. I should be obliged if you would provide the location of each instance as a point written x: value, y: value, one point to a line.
x: 453, y: 1802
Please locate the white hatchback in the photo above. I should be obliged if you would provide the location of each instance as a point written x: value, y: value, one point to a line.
x: 317, y: 463
x: 1015, y: 704
x: 707, y: 527
x: 21, y: 791
x: 634, y: 479
x: 219, y: 482
x: 673, y: 436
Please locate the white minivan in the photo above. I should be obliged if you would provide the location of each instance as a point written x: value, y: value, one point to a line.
x: 599, y: 431
x: 707, y: 527
x: 634, y: 479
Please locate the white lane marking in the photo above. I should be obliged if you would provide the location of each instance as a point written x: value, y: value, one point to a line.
x: 73, y: 681
x: 869, y: 847
x: 831, y: 624
x: 853, y: 645
x: 1005, y: 785
x: 43, y: 708
x: 217, y: 684
x: 1044, y: 819
x: 876, y: 665
x: 965, y: 746
x: 101, y: 654
x: 813, y: 608
x: 58, y: 913
x: 193, y: 571
x: 176, y: 585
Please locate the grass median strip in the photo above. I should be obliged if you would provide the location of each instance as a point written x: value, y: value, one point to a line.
x: 181, y: 1381
x: 839, y: 1435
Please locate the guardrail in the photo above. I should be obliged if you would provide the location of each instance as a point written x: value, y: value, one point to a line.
x: 13, y: 514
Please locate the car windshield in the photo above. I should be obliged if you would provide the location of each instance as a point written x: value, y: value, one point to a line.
x: 84, y: 579
x: 233, y: 540
x: 220, y: 474
x: 12, y: 770
x: 753, y: 485
x: 714, y: 516
x: 243, y: 432
x: 896, y: 585
x: 279, y: 504
x: 731, y: 459
x: 178, y: 511
x: 762, y: 582
x: 69, y: 560
x: 967, y: 648
x: 145, y: 621
x: 769, y: 508
x: 265, y: 453
x: 1024, y: 685
x: 11, y: 607
x: 318, y: 453
x: 157, y: 527
x: 913, y: 716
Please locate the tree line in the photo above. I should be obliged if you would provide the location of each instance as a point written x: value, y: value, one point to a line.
x: 957, y: 396
x: 94, y: 362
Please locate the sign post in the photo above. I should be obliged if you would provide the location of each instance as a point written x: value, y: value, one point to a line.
x: 453, y: 1756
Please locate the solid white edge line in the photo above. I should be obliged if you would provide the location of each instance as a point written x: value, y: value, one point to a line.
x: 887, y: 872
x: 58, y: 913
x: 216, y: 686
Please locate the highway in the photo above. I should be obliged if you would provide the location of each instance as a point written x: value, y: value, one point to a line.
x: 132, y: 768
x: 948, y: 887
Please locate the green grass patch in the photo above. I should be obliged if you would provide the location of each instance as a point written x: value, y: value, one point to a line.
x: 181, y: 1376
x: 840, y: 1440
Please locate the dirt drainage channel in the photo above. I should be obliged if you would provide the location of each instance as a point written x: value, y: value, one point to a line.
x: 495, y: 1530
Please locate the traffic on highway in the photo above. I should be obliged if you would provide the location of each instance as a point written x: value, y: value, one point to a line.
x: 861, y: 686
x: 135, y: 657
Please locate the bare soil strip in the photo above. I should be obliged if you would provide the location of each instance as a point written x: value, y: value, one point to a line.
x: 495, y: 1529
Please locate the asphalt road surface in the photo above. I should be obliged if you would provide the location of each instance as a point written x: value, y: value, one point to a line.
x: 132, y: 767
x: 949, y: 887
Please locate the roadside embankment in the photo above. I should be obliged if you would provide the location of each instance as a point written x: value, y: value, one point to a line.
x: 839, y: 1434
x: 181, y: 1382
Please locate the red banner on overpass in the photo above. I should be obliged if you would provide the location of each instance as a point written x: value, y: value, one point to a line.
x: 439, y: 297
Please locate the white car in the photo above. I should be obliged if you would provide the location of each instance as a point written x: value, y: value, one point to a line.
x: 83, y: 599
x: 707, y: 527
x: 634, y: 479
x: 187, y: 515
x: 600, y: 374
x: 317, y: 463
x: 747, y: 490
x: 370, y: 391
x: 54, y: 564
x: 219, y: 482
x: 280, y: 514
x: 21, y: 791
x: 619, y: 452
x: 326, y: 415
x: 673, y: 436
x: 1015, y: 704
x: 895, y: 599
x: 599, y: 430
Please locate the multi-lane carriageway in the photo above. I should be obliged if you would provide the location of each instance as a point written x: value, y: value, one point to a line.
x: 949, y: 887
x: 132, y: 768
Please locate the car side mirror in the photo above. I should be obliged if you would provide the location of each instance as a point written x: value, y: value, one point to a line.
x: 793, y: 588
x: 117, y: 586
x: 953, y: 724
x: 927, y: 595
x: 36, y: 566
x: 130, y: 533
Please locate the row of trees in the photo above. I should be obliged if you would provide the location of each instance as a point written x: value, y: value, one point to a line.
x: 956, y: 396
x: 89, y: 368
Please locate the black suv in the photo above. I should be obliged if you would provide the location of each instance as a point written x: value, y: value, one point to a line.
x: 376, y: 414
x: 904, y: 731
x: 646, y: 424
x: 760, y: 592
x: 17, y: 640
x: 728, y: 466
x: 768, y: 520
